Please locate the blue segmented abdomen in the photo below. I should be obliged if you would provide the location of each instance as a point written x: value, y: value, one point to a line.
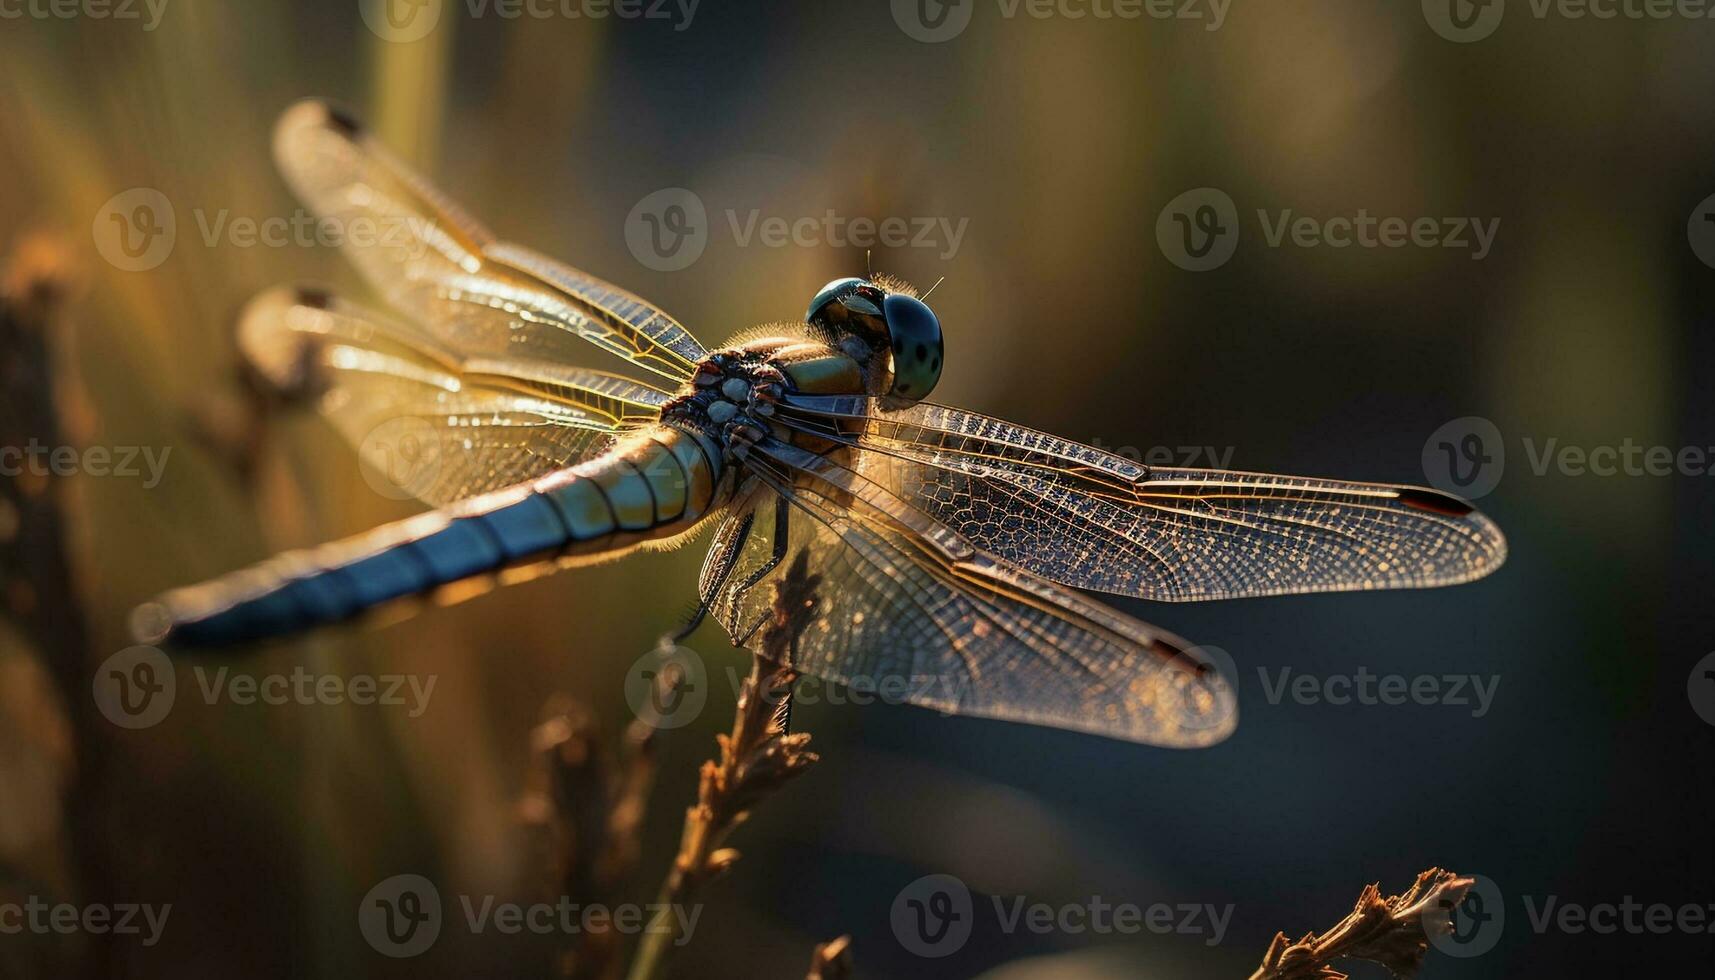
x: 647, y: 487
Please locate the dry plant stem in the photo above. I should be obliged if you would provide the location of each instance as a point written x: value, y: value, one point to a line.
x: 38, y: 581
x: 1392, y: 932
x: 591, y: 804
x: 755, y: 759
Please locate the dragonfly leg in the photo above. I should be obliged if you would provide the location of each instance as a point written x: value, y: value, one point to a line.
x: 782, y: 543
x: 722, y: 563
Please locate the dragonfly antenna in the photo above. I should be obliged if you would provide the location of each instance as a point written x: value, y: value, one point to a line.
x: 937, y: 285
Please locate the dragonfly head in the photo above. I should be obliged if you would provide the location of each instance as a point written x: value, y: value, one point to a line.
x: 890, y: 321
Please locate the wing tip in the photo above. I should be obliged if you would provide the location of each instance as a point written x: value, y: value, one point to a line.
x: 151, y: 623
x: 316, y: 113
x: 309, y: 116
x: 1488, y: 544
x: 268, y: 341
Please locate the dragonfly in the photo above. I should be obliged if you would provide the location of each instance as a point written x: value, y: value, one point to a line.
x: 893, y: 538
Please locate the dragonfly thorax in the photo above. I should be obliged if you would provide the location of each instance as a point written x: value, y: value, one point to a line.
x: 734, y: 392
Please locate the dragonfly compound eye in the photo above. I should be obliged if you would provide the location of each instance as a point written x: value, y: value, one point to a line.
x: 915, y: 335
x: 850, y: 306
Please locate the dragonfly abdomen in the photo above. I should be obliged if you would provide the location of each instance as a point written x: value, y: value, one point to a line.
x: 648, y: 487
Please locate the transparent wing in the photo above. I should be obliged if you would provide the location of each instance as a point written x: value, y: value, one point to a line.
x: 434, y: 262
x: 438, y: 426
x: 876, y: 594
x: 1090, y: 519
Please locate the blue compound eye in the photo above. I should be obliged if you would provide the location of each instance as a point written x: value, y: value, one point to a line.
x: 850, y: 306
x: 915, y: 335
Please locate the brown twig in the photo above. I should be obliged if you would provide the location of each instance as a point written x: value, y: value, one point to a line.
x: 592, y: 805
x: 39, y: 586
x: 756, y: 759
x: 1393, y: 932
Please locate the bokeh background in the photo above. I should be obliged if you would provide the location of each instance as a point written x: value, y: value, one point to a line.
x: 1060, y: 140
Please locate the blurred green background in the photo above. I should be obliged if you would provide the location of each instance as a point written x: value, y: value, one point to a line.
x: 1060, y: 140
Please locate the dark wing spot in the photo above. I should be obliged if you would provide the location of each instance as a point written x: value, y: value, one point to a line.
x: 922, y: 352
x: 935, y: 365
x: 1434, y: 502
x: 343, y: 121
x: 316, y: 299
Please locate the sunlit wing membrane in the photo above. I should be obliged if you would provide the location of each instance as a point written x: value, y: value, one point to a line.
x: 435, y: 263
x: 438, y: 426
x: 878, y: 595
x: 1087, y: 518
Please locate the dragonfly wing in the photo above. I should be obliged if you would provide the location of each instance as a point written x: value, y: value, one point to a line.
x: 433, y: 261
x: 877, y: 595
x: 436, y: 425
x: 1084, y: 517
